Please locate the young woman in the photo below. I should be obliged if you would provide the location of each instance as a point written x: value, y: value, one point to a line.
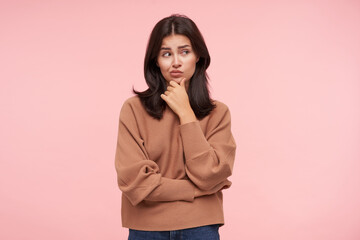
x: 175, y: 149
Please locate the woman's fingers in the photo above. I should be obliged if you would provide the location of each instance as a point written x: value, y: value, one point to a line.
x: 173, y: 83
x: 182, y: 82
x: 169, y: 88
x: 176, y: 97
x: 164, y: 97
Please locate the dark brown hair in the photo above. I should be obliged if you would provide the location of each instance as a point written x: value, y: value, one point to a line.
x: 198, y: 92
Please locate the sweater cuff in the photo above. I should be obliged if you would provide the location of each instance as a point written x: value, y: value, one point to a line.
x: 193, y: 139
x: 173, y: 190
x: 185, y: 191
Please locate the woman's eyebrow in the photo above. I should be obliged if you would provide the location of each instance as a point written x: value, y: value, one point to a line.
x: 166, y: 48
x: 184, y: 46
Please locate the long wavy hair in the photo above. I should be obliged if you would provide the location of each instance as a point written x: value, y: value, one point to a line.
x: 198, y: 91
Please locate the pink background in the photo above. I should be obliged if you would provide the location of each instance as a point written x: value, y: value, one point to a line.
x: 288, y: 70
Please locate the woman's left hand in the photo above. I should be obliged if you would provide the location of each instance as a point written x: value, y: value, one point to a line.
x: 177, y: 99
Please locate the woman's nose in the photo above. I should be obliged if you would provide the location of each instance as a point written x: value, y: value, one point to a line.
x: 176, y: 61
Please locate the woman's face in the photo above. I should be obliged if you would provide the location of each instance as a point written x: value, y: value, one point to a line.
x: 176, y: 58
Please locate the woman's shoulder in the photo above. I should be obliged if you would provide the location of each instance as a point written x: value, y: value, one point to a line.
x: 133, y: 100
x: 218, y: 117
x: 220, y: 107
x: 220, y: 111
x: 132, y: 104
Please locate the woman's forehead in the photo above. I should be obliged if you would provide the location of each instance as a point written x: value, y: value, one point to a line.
x: 175, y: 40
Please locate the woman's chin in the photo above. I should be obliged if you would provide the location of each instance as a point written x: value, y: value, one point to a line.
x: 177, y: 79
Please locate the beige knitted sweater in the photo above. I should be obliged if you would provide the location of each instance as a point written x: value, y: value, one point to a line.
x: 171, y: 175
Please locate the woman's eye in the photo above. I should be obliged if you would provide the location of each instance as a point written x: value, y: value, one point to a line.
x: 186, y: 52
x: 166, y: 54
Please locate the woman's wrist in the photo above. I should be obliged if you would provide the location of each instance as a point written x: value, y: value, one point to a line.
x: 187, y: 116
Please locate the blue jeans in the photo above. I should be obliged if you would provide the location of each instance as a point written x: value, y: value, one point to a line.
x: 208, y: 232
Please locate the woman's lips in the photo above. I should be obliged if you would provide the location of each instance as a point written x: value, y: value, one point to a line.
x: 176, y: 73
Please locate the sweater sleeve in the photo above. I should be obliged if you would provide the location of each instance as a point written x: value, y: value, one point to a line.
x: 138, y: 177
x: 209, y: 157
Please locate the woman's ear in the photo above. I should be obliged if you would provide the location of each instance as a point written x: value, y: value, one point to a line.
x: 197, y: 59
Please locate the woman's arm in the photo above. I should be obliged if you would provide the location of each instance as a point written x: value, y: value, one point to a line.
x: 210, y: 156
x: 138, y: 177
